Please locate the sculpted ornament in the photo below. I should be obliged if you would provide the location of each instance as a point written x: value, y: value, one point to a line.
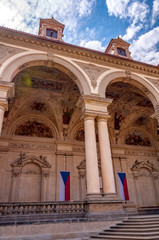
x: 6, y: 52
x: 148, y: 164
x: 154, y: 81
x: 24, y: 159
x: 93, y: 72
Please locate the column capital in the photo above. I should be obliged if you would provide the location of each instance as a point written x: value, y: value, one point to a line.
x: 94, y: 104
x: 3, y: 105
x: 89, y: 116
x: 6, y: 89
x: 103, y: 118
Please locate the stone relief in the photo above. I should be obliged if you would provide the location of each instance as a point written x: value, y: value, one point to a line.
x: 23, y: 159
x: 31, y: 169
x: 6, y: 52
x: 154, y: 81
x: 93, y: 72
x: 137, y: 153
x: 32, y: 146
x: 78, y: 148
x: 141, y: 164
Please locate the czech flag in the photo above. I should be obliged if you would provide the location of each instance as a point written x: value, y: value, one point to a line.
x: 123, y: 186
x: 64, y: 186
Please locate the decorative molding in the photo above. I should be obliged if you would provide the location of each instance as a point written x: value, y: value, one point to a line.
x: 32, y: 146
x: 148, y: 164
x: 7, y: 52
x: 24, y: 159
x: 76, y: 51
x: 78, y: 148
x: 155, y: 82
x: 137, y: 153
x: 92, y: 71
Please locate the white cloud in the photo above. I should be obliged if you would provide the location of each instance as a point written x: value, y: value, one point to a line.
x: 117, y: 7
x: 131, y: 31
x: 155, y: 11
x: 135, y: 12
x: 96, y: 45
x: 84, y: 7
x: 24, y: 15
x: 145, y: 48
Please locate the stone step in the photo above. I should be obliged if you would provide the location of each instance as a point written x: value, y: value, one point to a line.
x: 144, y: 216
x: 143, y: 227
x: 143, y: 220
x: 115, y: 229
x: 150, y: 210
x: 135, y: 227
x: 139, y: 223
x: 128, y: 234
x: 98, y: 237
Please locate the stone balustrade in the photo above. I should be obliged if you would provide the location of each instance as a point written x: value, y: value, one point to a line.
x: 42, y: 208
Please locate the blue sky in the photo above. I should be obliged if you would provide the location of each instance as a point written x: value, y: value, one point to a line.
x: 92, y: 23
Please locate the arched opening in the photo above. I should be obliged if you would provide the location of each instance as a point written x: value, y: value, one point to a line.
x: 131, y: 109
x: 44, y: 102
x: 39, y: 121
x: 132, y: 133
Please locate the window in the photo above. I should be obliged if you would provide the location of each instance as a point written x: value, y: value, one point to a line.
x: 51, y: 33
x: 121, y: 52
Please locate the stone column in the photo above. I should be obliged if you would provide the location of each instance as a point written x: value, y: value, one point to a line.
x: 92, y: 175
x: 105, y: 156
x: 2, y: 110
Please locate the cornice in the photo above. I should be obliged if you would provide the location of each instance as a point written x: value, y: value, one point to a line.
x: 76, y: 52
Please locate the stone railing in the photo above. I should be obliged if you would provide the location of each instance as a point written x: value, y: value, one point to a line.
x: 42, y: 208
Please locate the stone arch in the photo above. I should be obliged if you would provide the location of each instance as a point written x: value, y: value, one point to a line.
x: 140, y: 82
x: 23, y: 119
x: 20, y: 61
x: 74, y: 131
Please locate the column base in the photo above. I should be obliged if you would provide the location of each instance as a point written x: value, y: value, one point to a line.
x: 111, y: 196
x: 93, y: 196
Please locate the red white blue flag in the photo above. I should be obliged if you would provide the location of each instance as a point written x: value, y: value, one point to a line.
x: 64, y: 186
x: 123, y: 188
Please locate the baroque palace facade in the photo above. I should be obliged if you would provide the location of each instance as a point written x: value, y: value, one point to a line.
x: 68, y: 108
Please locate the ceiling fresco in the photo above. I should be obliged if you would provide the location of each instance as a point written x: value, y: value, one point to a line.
x: 42, y: 91
x: 44, y: 78
x: 130, y: 109
x: 129, y: 93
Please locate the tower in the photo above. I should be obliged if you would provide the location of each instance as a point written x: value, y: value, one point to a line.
x: 118, y: 47
x: 51, y: 29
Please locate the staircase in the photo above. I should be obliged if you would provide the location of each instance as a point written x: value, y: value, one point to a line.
x: 136, y: 227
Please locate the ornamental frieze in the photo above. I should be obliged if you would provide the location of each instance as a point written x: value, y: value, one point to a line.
x: 137, y: 153
x: 92, y: 71
x: 7, y: 52
x: 23, y: 159
x: 32, y: 146
x: 154, y: 81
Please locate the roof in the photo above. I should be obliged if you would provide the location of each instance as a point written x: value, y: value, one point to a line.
x: 36, y: 37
